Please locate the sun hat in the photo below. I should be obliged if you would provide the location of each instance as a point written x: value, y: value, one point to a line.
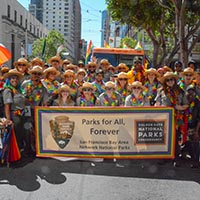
x: 36, y: 68
x: 21, y: 61
x: 122, y: 65
x: 51, y: 70
x: 81, y: 70
x: 12, y: 72
x: 68, y: 72
x: 91, y: 64
x: 37, y: 61
x: 151, y: 70
x: 104, y: 61
x: 66, y: 61
x: 137, y: 84
x: 188, y: 70
x: 168, y: 75
x: 64, y: 88
x: 87, y: 85
x: 110, y: 84
x: 122, y: 75
x: 55, y: 58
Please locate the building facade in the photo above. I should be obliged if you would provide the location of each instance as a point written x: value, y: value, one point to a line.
x: 18, y: 29
x: 63, y: 16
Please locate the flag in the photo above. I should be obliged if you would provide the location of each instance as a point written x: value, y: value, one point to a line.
x: 106, y: 45
x: 89, y: 52
x: 60, y: 48
x: 138, y: 46
x: 43, y: 48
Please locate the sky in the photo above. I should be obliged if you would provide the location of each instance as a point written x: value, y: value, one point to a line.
x: 91, y: 19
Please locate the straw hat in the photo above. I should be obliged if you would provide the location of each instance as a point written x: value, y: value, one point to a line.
x: 51, y: 70
x: 65, y: 88
x: 71, y: 67
x: 91, y: 64
x: 36, y: 68
x: 5, y: 69
x: 168, y: 75
x: 122, y: 75
x: 104, y: 62
x: 122, y: 65
x: 80, y: 62
x: 152, y: 70
x: 111, y: 67
x: 188, y: 70
x: 68, y: 72
x: 12, y: 72
x: 66, y: 61
x: 37, y: 61
x: 167, y: 69
x: 81, y: 70
x: 110, y: 84
x: 137, y: 84
x: 87, y: 85
x: 21, y: 61
x: 55, y: 58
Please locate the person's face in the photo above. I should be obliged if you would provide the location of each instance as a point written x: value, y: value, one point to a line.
x: 81, y: 76
x: 104, y: 66
x: 36, y: 76
x: 188, y: 77
x: 51, y: 76
x: 123, y: 81
x: 99, y: 77
x: 151, y: 76
x: 178, y: 68
x: 121, y: 69
x: 136, y: 90
x: 69, y: 78
x: 21, y: 67
x: 137, y: 65
x: 64, y: 93
x: 55, y: 63
x: 91, y: 68
x: 14, y: 80
x: 109, y: 90
x: 87, y: 91
x: 170, y: 82
x: 64, y: 66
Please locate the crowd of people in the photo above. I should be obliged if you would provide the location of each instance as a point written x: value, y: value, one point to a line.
x: 62, y: 83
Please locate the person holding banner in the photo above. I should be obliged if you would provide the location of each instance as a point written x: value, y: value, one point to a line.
x: 50, y: 83
x: 87, y: 97
x: 151, y: 85
x: 64, y: 98
x: 110, y: 97
x: 14, y: 105
x: 136, y: 98
x: 122, y: 85
x: 171, y: 95
x: 36, y: 95
x: 69, y: 79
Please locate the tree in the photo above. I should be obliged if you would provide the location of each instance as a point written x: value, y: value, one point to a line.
x: 169, y: 24
x: 53, y: 40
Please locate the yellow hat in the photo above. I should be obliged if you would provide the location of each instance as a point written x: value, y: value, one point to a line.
x: 168, y: 75
x: 36, y: 68
x: 152, y: 70
x: 110, y: 84
x: 37, y: 61
x: 87, y: 85
x: 55, y: 58
x: 137, y: 84
x: 68, y: 72
x: 65, y: 88
x: 123, y: 66
x: 21, y: 61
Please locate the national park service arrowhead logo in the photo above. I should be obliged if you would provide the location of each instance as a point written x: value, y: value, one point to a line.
x: 62, y: 130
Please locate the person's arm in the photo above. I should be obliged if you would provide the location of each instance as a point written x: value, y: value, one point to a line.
x: 7, y: 114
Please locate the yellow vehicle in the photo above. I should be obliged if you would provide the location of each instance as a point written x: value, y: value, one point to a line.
x: 117, y: 55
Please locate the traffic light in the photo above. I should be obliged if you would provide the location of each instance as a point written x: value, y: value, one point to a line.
x: 80, y: 44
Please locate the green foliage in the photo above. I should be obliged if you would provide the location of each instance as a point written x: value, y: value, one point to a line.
x: 53, y: 40
x: 130, y: 42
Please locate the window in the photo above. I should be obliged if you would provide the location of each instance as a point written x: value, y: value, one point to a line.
x: 8, y: 11
x: 21, y: 20
x: 15, y: 16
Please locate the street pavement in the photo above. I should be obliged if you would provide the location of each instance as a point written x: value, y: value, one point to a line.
x: 58, y: 179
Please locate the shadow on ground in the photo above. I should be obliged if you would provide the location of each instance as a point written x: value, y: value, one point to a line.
x: 24, y: 175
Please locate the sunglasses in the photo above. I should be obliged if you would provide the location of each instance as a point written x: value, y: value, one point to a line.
x: 87, y: 89
x: 170, y: 79
x: 137, y: 62
x: 69, y: 77
x: 188, y: 75
x: 92, y: 67
x: 54, y: 61
x: 123, y: 79
x: 136, y: 88
x: 121, y: 68
x: 22, y: 65
x: 14, y: 77
x: 35, y: 73
x: 109, y: 88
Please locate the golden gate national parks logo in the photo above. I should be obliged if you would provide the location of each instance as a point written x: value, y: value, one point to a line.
x: 62, y: 130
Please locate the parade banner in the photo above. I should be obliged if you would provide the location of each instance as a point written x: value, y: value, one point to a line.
x: 105, y: 132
